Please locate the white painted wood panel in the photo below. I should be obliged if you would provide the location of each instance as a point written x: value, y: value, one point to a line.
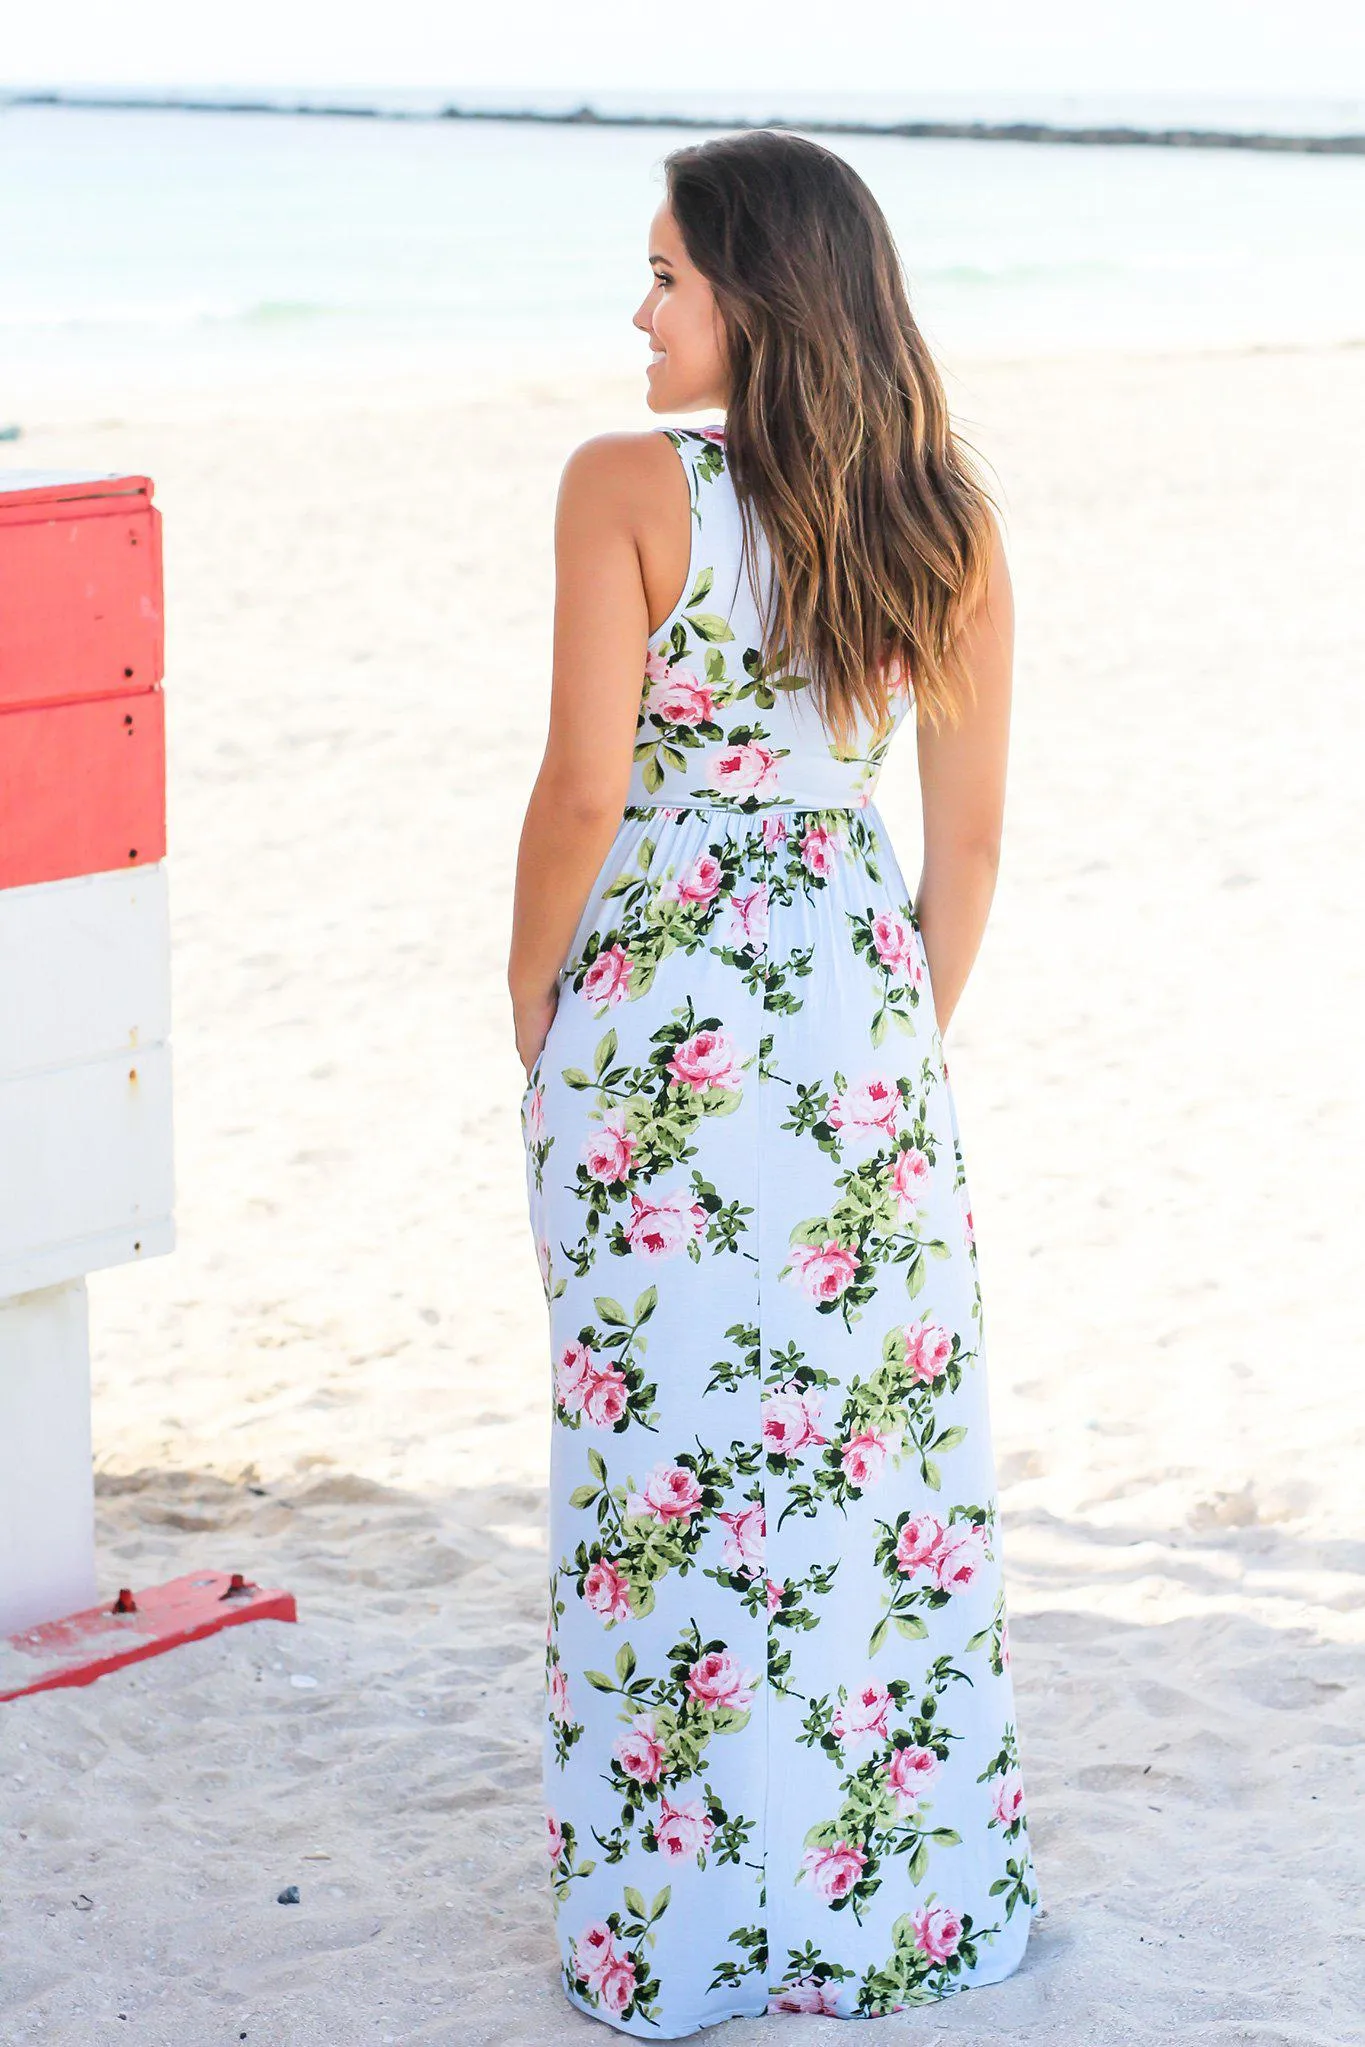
x: 84, y: 969
x: 47, y: 1532
x: 85, y: 1160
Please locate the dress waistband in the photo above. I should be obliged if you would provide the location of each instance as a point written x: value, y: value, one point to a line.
x: 794, y: 803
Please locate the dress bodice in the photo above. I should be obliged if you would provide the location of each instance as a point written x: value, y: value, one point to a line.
x: 715, y: 732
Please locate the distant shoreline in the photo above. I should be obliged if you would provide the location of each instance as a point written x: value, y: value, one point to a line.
x: 1118, y: 137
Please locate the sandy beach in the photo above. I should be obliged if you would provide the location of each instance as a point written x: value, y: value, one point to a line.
x: 339, y: 1382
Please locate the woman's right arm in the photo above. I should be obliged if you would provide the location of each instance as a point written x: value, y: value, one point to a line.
x: 601, y: 630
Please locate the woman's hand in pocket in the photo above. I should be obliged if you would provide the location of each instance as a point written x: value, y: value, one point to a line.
x: 531, y: 1022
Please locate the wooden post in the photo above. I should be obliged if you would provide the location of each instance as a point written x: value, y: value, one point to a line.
x: 47, y: 1536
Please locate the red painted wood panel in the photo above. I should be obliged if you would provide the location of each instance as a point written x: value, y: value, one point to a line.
x: 80, y: 592
x: 82, y: 787
x: 82, y: 1647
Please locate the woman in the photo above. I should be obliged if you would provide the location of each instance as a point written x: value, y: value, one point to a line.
x: 780, y: 1756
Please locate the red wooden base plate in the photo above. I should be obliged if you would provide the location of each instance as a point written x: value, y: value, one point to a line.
x: 77, y: 1650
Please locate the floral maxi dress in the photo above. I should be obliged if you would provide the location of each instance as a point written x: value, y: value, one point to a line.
x: 780, y: 1760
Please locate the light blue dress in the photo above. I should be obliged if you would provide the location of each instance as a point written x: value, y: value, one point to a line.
x: 780, y: 1759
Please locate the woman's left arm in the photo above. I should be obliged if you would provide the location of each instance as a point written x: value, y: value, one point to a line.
x: 601, y: 631
x: 962, y: 784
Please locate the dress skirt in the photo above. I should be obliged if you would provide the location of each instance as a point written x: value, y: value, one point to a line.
x: 780, y: 1762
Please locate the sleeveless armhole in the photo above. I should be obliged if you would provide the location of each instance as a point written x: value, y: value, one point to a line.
x: 683, y: 441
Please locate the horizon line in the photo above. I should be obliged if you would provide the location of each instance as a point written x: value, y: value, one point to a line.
x: 1118, y: 135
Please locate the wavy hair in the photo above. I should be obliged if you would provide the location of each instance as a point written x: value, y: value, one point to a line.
x: 837, y: 428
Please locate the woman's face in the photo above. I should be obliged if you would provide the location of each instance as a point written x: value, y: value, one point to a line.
x: 687, y: 367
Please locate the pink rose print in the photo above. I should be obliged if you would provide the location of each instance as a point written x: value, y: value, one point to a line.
x: 821, y: 849
x: 833, y: 1871
x: 609, y: 1153
x: 573, y: 1374
x: 791, y: 1420
x: 559, y: 1695
x: 708, y: 1059
x: 958, y: 1557
x: 1005, y: 1643
x: 1009, y: 1798
x: 937, y: 1931
x: 806, y: 1994
x: 910, y: 1772
x: 967, y: 1221
x: 606, y: 1592
x: 896, y: 946
x: 863, y: 1717
x: 671, y: 1493
x: 749, y: 917
x: 909, y: 1176
x: 775, y: 1593
x: 773, y: 832
x: 823, y: 1271
x: 608, y: 978
x: 616, y: 1986
x: 749, y: 770
x: 927, y: 1351
x: 679, y: 698
x: 683, y: 1831
x: 656, y: 666
x: 604, y: 1398
x: 867, y: 1110
x: 640, y: 1752
x: 713, y: 433
x: 660, y: 1229
x: 863, y: 1457
x: 594, y: 1953
x: 716, y: 1680
x: 917, y: 1542
x: 554, y: 1836
x: 745, y: 1541
x: 534, y: 1115
x: 701, y: 880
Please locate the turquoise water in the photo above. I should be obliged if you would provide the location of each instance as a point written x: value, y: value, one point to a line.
x: 192, y: 248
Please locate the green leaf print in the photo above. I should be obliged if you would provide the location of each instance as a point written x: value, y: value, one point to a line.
x: 708, y: 625
x: 604, y: 1055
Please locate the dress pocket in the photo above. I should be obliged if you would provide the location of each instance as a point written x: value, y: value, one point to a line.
x: 534, y: 1075
x: 538, y: 1063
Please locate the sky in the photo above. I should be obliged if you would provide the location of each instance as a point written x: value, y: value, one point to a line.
x: 1312, y: 48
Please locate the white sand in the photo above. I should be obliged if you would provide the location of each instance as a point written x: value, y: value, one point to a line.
x: 339, y: 1381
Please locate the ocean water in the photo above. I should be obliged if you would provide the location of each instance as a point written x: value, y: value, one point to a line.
x: 198, y: 249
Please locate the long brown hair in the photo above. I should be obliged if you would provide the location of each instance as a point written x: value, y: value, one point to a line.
x: 837, y: 428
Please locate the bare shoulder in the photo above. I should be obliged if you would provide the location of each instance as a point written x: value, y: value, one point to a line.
x: 618, y: 474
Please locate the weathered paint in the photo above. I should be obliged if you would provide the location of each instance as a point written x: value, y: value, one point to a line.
x: 87, y: 1180
x: 47, y: 1538
x: 82, y: 788
x: 80, y: 588
x: 82, y: 744
x: 77, y: 1650
x: 85, y: 969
